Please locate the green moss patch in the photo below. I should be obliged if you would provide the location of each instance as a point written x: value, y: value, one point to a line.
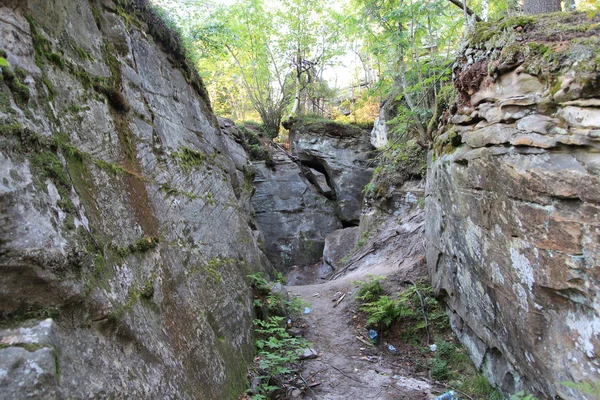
x: 322, y: 126
x: 141, y: 245
x: 188, y: 158
x: 20, y: 91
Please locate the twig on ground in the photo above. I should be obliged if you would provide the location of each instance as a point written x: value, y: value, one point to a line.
x: 345, y: 374
x: 307, y: 385
x: 339, y: 300
x: 364, y: 341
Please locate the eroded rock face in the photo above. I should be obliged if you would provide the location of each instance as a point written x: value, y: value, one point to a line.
x: 391, y: 237
x: 293, y: 216
x: 342, y: 153
x: 513, y: 216
x: 123, y: 215
x: 338, y: 245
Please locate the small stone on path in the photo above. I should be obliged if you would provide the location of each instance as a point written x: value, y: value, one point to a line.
x: 308, y: 354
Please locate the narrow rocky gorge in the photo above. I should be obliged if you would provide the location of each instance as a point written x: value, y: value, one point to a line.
x: 131, y: 216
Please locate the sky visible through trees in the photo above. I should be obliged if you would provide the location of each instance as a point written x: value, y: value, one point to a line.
x: 267, y: 60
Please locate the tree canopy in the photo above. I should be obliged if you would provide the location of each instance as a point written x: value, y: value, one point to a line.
x: 268, y: 60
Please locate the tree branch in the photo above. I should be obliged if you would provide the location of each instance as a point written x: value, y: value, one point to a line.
x: 459, y: 4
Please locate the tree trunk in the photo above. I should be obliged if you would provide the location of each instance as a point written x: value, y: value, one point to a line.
x: 541, y: 6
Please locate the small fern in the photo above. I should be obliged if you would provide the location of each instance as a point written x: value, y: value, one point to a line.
x: 371, y: 290
x: 386, y: 310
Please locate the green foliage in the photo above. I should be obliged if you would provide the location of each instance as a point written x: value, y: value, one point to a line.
x: 439, y: 370
x: 3, y: 62
x: 277, y: 351
x: 188, y: 158
x: 371, y: 290
x: 479, y: 386
x: 522, y: 396
x: 592, y: 389
x: 19, y: 90
x: 399, y: 162
x: 386, y: 310
x: 141, y: 245
x: 268, y: 302
x: 250, y: 134
x: 49, y: 166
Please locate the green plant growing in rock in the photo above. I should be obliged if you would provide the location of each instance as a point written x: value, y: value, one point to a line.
x: 13, y: 81
x: 592, y: 389
x: 398, y: 163
x: 188, y: 158
x: 141, y: 245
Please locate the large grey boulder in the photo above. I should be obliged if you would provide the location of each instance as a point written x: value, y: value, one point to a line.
x: 342, y: 153
x: 121, y: 214
x: 513, y: 209
x: 293, y: 216
x: 338, y: 246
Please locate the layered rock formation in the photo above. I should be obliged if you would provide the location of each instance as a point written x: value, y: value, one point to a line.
x: 342, y: 153
x: 292, y: 215
x: 513, y: 204
x: 124, y: 232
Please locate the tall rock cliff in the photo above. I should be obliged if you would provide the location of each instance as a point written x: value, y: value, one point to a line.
x: 513, y: 203
x: 124, y: 231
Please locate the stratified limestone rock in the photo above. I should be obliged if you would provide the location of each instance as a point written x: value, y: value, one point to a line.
x: 123, y: 214
x: 513, y: 206
x: 342, y: 153
x: 293, y: 216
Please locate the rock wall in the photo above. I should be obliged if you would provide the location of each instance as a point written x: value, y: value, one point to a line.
x: 293, y: 216
x: 304, y: 196
x: 124, y: 228
x: 513, y: 204
x: 342, y: 153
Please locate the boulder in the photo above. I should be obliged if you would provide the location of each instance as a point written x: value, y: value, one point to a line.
x: 338, y: 245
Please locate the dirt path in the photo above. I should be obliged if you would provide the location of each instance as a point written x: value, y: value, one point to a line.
x: 346, y: 367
